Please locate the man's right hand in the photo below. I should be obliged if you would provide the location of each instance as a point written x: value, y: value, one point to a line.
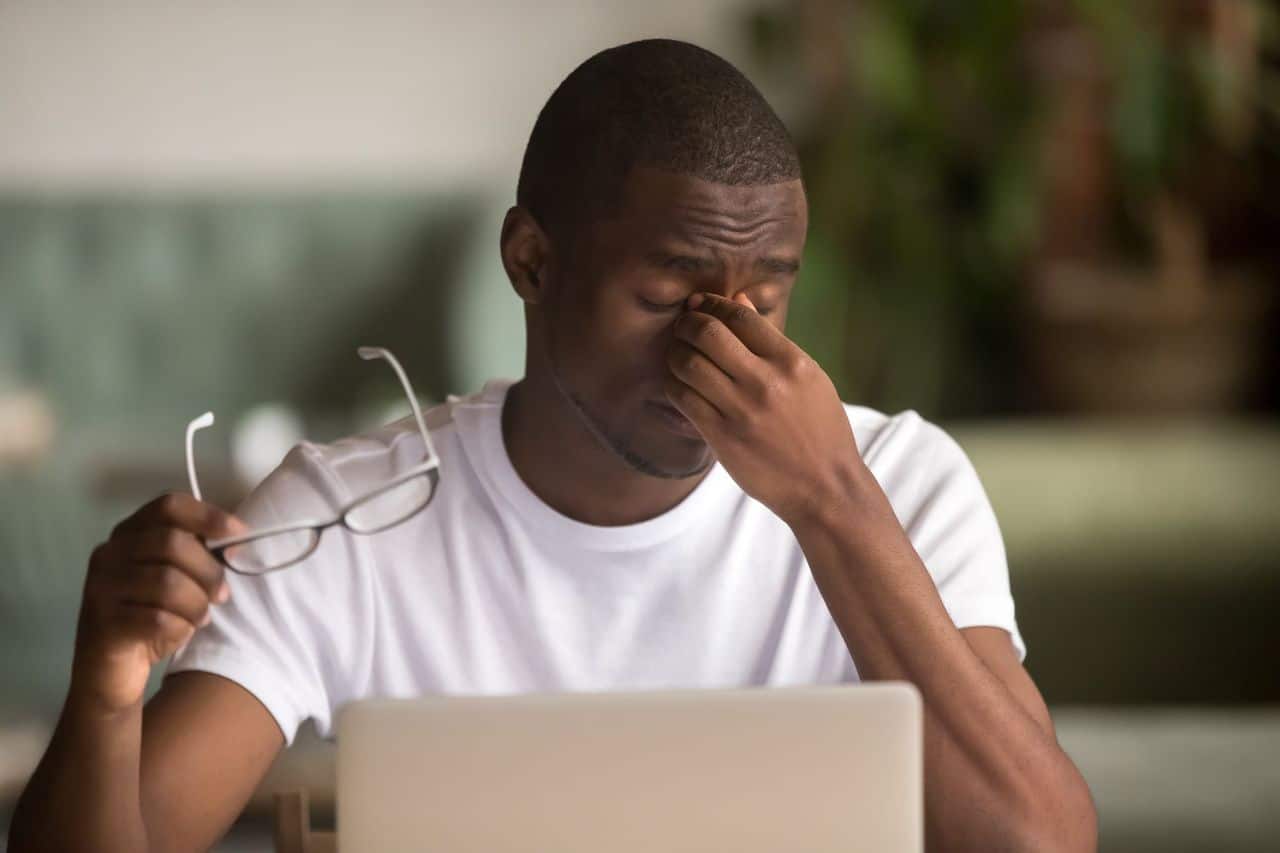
x: 148, y: 589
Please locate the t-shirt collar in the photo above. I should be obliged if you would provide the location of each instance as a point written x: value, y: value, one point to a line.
x: 479, y: 420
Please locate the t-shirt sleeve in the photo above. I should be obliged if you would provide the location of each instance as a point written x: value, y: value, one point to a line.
x: 946, y: 513
x: 272, y: 636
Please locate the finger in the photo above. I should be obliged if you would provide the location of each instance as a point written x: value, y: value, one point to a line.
x: 692, y: 405
x: 166, y: 588
x: 185, y: 511
x: 694, y: 369
x: 758, y: 334
x: 718, y: 343
x: 162, y: 630
x: 179, y: 548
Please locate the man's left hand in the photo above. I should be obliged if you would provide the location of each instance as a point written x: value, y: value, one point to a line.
x: 769, y: 412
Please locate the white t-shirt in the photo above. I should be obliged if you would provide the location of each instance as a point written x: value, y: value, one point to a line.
x: 490, y: 590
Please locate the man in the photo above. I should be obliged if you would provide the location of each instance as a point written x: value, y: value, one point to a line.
x: 673, y: 495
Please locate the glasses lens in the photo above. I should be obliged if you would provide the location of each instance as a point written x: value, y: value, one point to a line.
x: 391, y: 505
x: 271, y: 552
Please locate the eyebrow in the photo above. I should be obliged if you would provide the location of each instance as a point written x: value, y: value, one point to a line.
x: 701, y: 263
x: 697, y: 263
x: 776, y: 265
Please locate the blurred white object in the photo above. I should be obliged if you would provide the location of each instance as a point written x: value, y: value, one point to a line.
x: 261, y: 439
x: 26, y: 425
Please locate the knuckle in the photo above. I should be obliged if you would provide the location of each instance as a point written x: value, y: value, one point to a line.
x: 192, y: 610
x: 799, y: 365
x: 175, y: 541
x: 170, y: 582
x: 166, y: 624
x: 171, y: 503
x: 156, y: 619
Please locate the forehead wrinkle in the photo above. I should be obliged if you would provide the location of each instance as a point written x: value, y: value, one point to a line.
x: 722, y: 229
x: 736, y: 218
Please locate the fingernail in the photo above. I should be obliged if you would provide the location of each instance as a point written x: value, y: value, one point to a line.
x: 223, y: 593
x: 695, y: 300
x: 208, y: 617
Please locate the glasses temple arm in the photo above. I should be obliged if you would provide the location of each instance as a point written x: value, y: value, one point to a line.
x: 368, y: 353
x: 199, y: 423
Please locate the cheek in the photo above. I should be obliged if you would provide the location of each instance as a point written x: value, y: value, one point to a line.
x: 778, y: 316
x: 612, y: 345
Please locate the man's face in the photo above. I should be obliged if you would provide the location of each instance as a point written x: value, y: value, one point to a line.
x: 625, y: 282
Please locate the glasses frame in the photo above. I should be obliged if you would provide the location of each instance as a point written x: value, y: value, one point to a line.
x: 431, y: 467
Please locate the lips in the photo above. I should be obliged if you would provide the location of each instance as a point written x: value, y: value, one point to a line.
x: 674, y: 419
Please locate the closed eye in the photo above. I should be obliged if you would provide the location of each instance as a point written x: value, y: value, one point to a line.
x: 658, y: 307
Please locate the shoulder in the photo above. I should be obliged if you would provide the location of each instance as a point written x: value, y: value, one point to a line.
x: 920, y: 467
x: 902, y: 439
x: 318, y: 476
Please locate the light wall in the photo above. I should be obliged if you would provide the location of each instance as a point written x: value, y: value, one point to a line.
x: 141, y: 92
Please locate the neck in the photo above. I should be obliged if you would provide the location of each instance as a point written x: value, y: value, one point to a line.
x: 563, y: 463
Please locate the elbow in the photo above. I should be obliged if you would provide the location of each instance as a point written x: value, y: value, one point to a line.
x: 1061, y: 816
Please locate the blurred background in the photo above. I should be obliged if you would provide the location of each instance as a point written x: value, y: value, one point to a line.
x: 1049, y: 226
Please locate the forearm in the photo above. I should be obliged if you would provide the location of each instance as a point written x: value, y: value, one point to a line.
x: 995, y: 778
x: 84, y: 794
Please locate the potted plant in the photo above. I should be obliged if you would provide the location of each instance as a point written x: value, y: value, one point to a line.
x: 1080, y: 160
x: 1141, y: 300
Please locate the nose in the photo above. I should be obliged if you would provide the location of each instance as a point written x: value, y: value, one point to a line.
x: 734, y: 295
x: 730, y: 278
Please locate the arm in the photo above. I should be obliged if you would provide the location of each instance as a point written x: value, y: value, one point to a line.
x: 172, y: 776
x: 995, y: 776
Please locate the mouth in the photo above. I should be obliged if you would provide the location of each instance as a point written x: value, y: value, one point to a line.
x: 674, y: 420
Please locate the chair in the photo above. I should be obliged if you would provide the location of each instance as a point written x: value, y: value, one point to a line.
x: 293, y: 832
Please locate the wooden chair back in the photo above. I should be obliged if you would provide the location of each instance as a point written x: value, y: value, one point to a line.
x: 293, y: 832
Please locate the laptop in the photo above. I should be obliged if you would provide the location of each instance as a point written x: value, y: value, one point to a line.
x: 813, y: 769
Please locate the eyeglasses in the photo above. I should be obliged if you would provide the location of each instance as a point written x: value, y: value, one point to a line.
x: 377, y: 509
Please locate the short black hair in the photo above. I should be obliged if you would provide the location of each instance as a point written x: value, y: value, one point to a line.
x: 658, y: 103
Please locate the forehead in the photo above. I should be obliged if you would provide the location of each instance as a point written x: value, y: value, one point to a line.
x: 664, y: 205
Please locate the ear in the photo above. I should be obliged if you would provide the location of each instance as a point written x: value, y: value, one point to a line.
x: 526, y: 255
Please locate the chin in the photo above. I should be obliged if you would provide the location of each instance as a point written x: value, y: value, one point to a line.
x: 646, y: 445
x: 689, y: 456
